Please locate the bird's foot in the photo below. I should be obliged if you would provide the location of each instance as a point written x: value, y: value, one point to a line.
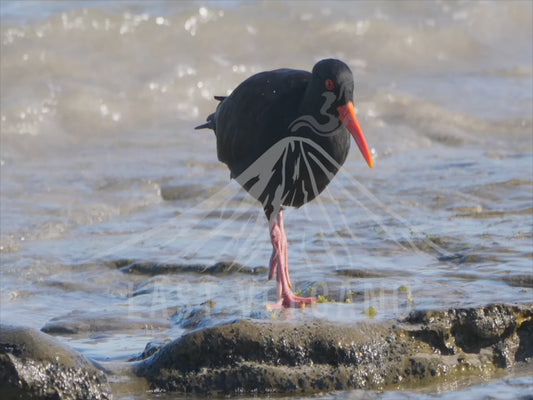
x: 290, y: 300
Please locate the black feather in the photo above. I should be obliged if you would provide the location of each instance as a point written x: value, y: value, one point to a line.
x: 210, y: 124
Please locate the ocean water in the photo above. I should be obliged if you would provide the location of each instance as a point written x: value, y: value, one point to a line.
x: 100, y: 164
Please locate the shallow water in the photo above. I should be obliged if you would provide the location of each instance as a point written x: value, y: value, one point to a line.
x: 100, y: 163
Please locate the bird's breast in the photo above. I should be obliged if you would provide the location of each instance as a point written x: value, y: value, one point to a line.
x: 292, y: 172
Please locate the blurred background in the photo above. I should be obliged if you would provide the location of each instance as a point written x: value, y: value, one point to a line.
x: 100, y: 162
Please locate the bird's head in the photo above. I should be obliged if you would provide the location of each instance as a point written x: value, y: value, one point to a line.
x: 335, y: 77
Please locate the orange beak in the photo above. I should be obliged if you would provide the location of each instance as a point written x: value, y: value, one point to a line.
x: 348, y: 118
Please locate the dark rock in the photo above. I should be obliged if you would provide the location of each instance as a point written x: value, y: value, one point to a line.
x: 150, y: 349
x: 359, y: 273
x: 428, y: 347
x: 181, y: 192
x: 36, y: 366
x: 525, y: 346
x: 192, y: 318
x: 80, y: 321
x: 176, y: 189
x: 473, y: 328
x: 519, y: 280
x: 155, y: 268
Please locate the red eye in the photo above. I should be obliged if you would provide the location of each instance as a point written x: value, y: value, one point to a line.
x: 330, y: 85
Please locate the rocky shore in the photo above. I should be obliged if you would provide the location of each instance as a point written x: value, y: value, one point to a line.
x: 249, y: 356
x: 424, y: 349
x: 34, y: 365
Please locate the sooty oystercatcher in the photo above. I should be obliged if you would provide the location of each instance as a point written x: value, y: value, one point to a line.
x: 284, y: 134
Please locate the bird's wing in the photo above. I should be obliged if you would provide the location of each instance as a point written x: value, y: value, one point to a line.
x: 257, y: 115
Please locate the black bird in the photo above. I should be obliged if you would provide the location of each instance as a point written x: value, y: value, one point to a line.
x: 284, y: 134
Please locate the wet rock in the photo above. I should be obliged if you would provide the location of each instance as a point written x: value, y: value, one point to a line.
x: 474, y: 329
x: 155, y: 268
x: 79, y: 321
x: 359, y: 273
x: 36, y: 366
x: 176, y: 190
x: 192, y: 318
x: 525, y: 281
x: 525, y: 342
x: 180, y: 192
x: 519, y: 280
x: 150, y: 349
x: 426, y: 348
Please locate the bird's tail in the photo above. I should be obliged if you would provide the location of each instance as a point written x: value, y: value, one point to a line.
x: 210, y: 124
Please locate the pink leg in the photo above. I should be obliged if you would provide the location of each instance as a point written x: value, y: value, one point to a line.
x: 273, y: 261
x: 279, y: 262
x: 285, y: 248
x: 277, y: 235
